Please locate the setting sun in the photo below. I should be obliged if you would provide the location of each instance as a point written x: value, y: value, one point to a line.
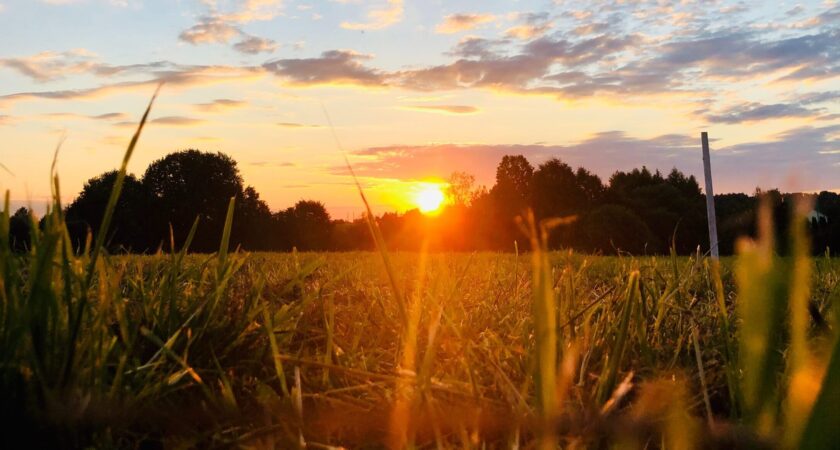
x: 429, y: 198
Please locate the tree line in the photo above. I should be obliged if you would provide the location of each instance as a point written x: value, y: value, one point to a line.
x: 638, y: 212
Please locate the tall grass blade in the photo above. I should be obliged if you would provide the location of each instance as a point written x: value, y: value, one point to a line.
x: 76, y: 317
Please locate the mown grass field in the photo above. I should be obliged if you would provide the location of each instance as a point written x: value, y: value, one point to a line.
x: 271, y: 350
x: 370, y: 350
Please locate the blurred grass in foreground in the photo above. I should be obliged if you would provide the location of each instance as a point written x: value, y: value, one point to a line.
x: 415, y: 350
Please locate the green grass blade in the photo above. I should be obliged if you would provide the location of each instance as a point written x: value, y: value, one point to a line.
x: 76, y: 318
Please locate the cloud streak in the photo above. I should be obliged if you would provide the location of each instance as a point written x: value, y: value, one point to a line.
x: 379, y: 17
x: 176, y: 77
x: 50, y: 66
x: 220, y: 104
x: 297, y: 125
x: 752, y: 112
x: 332, y: 67
x: 446, y: 109
x: 770, y: 163
x: 457, y: 23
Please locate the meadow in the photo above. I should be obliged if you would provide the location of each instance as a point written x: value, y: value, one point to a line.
x: 532, y: 349
x: 484, y: 350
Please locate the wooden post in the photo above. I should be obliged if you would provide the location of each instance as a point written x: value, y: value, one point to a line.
x: 710, y: 197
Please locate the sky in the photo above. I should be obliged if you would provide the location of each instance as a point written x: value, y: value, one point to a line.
x: 411, y: 91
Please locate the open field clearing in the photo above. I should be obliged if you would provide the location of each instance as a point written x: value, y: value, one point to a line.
x: 426, y: 350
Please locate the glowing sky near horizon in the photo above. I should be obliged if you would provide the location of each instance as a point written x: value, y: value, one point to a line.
x: 419, y: 89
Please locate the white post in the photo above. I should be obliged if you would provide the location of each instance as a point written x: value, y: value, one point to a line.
x: 710, y: 197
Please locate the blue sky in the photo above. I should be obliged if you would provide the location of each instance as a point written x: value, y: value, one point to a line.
x: 418, y: 89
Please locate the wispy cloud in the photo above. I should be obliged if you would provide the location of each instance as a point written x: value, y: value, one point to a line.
x: 456, y: 23
x: 74, y: 116
x: 297, y: 125
x: 446, y: 109
x: 49, y: 66
x: 379, y: 17
x: 179, y: 77
x: 254, y: 45
x: 530, y: 69
x: 110, y: 116
x: 752, y: 112
x: 210, y: 30
x: 177, y: 121
x: 220, y: 104
x: 254, y: 10
x: 221, y: 27
x: 170, y: 121
x: 332, y: 67
x: 531, y: 25
x: 739, y: 168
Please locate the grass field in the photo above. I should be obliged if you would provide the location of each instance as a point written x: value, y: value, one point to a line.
x: 458, y: 350
x: 367, y: 350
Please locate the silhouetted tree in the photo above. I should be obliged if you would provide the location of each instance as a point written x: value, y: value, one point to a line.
x: 672, y: 208
x: 309, y: 225
x: 554, y: 190
x: 638, y: 212
x: 510, y: 196
x: 513, y: 177
x: 190, y: 184
x: 827, y: 229
x: 460, y: 189
x: 253, y: 224
x: 559, y: 191
x: 129, y: 223
x: 20, y: 224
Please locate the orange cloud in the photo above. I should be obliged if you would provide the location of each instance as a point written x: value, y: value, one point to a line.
x: 172, y: 121
x: 177, y: 121
x: 297, y: 125
x: 210, y: 30
x: 49, y: 66
x: 446, y: 109
x: 106, y: 116
x: 379, y: 18
x: 221, y: 27
x: 456, y: 23
x: 220, y: 104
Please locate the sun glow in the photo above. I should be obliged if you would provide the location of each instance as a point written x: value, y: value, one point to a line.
x: 429, y: 198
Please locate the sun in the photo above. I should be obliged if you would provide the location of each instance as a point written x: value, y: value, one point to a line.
x: 429, y: 198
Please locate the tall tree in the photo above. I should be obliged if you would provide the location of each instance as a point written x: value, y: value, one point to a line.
x: 20, y: 225
x: 460, y: 189
x: 559, y: 191
x: 510, y: 196
x: 253, y: 223
x: 190, y: 184
x: 309, y: 225
x: 671, y: 208
x: 129, y: 223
